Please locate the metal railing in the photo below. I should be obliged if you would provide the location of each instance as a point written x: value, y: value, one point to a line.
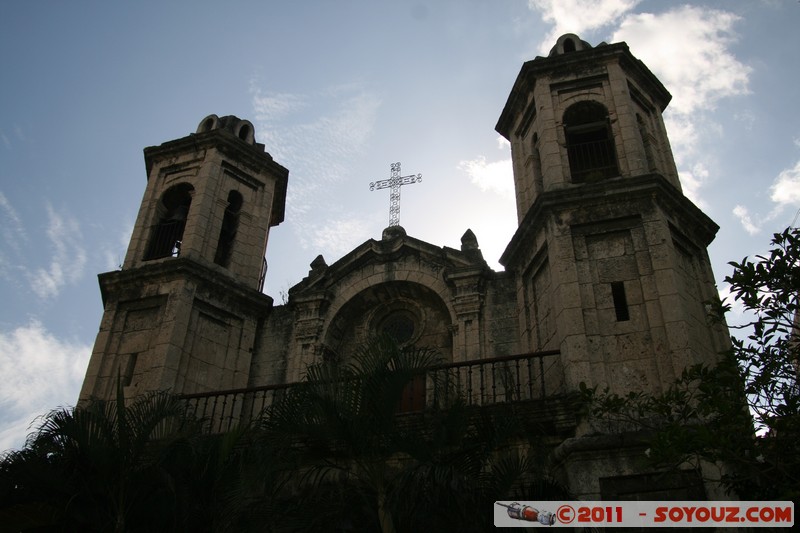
x: 592, y: 160
x: 502, y: 379
x: 166, y: 240
x: 222, y: 410
x: 479, y: 382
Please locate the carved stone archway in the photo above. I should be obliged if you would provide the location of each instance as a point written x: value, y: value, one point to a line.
x: 412, y: 312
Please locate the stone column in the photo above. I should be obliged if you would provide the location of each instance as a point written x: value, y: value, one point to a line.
x: 468, y: 305
x: 309, y: 319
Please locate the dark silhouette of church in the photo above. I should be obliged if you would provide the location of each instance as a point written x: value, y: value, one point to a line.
x: 604, y: 284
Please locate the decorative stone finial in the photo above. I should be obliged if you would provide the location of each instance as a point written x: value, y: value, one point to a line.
x: 318, y: 264
x: 393, y: 232
x: 469, y: 241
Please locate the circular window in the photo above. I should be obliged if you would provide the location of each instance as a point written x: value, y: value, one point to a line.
x: 399, y: 325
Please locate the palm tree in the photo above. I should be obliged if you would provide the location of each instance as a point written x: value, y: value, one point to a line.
x: 101, y: 466
x: 332, y: 455
x: 343, y: 417
x: 361, y: 466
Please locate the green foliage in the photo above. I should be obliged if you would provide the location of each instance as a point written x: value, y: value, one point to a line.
x: 744, y: 412
x: 103, y: 466
x: 769, y: 356
x: 332, y: 455
x: 368, y: 468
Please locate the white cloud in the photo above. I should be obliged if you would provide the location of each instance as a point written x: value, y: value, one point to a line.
x: 335, y: 238
x: 293, y: 132
x: 114, y: 253
x: 12, y: 229
x: 694, y: 179
x: 495, y: 176
x: 785, y: 190
x: 688, y: 49
x: 746, y: 118
x: 14, y: 237
x: 275, y: 106
x: 578, y: 16
x: 784, y: 193
x: 69, y: 256
x: 683, y: 136
x: 319, y: 147
x: 744, y: 217
x: 40, y: 372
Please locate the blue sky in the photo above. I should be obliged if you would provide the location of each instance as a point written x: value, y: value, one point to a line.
x: 338, y: 91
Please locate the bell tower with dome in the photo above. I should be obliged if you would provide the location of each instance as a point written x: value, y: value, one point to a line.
x: 610, y: 258
x: 183, y: 311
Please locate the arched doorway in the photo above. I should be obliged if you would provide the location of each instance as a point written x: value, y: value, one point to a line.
x: 412, y: 313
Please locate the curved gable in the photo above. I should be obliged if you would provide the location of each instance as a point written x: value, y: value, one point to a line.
x: 397, y: 282
x: 409, y: 311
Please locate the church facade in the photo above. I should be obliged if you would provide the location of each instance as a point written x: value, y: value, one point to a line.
x: 604, y: 284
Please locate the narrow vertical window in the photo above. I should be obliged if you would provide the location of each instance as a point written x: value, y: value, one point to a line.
x: 538, y: 179
x: 620, y: 301
x: 227, y: 234
x: 130, y: 367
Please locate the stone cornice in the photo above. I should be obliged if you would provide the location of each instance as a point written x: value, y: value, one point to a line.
x: 122, y: 284
x: 616, y: 190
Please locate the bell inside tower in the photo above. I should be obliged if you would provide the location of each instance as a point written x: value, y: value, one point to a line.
x: 173, y: 210
x: 590, y: 146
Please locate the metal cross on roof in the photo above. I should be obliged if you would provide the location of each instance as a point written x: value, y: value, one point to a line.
x: 394, y: 184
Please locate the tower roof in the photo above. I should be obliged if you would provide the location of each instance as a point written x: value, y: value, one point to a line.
x: 571, y: 54
x: 232, y: 135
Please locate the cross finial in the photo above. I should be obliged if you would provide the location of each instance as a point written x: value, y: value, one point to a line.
x: 394, y: 184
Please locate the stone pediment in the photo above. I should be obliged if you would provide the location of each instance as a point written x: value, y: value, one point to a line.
x: 396, y: 283
x: 395, y: 257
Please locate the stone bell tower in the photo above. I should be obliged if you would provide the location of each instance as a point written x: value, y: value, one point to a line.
x: 183, y: 312
x: 609, y: 256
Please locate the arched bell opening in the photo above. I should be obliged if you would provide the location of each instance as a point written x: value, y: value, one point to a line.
x: 590, y: 144
x: 172, y: 211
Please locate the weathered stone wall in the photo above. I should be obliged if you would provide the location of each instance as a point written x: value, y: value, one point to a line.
x: 272, y: 348
x: 501, y: 316
x: 173, y: 325
x: 621, y: 352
